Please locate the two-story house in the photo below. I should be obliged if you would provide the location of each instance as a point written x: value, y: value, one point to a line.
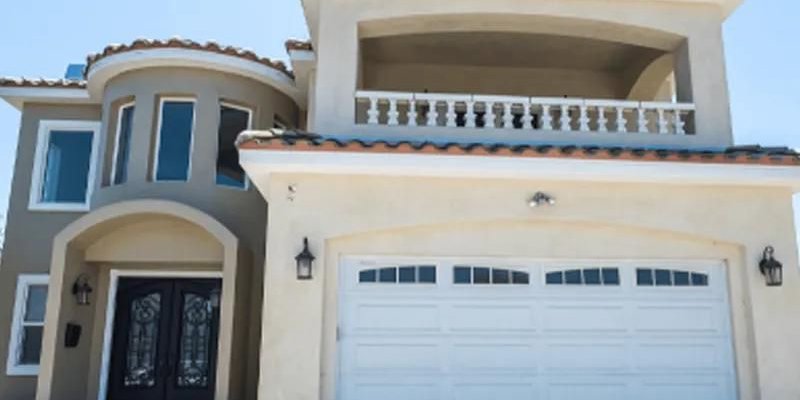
x: 437, y: 200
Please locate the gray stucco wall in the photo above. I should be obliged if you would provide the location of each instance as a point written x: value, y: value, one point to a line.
x: 244, y: 212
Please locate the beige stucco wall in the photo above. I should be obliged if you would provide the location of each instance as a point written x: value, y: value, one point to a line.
x: 661, y: 25
x: 462, y: 217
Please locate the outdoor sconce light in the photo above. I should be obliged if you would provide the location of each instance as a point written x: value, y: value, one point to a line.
x: 541, y: 199
x: 305, y: 261
x: 771, y: 268
x: 81, y: 290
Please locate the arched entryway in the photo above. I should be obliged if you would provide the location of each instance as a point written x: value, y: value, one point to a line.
x: 155, y: 243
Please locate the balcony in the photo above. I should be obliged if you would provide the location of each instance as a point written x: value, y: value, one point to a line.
x: 527, y: 115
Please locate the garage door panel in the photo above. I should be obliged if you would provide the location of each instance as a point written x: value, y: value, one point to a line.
x: 487, y: 318
x: 686, y: 388
x: 576, y: 389
x: 586, y: 355
x: 494, y: 390
x: 397, y: 356
x: 488, y: 357
x: 695, y: 355
x: 394, y: 391
x: 679, y: 318
x: 584, y: 317
x: 396, y: 317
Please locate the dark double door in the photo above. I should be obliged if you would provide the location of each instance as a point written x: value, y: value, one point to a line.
x: 165, y: 339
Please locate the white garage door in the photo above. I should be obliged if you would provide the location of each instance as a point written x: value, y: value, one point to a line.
x: 442, y: 329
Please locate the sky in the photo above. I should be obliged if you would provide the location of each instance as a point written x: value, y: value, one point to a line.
x: 38, y: 38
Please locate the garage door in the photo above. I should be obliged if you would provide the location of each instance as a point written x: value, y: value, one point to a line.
x: 436, y: 329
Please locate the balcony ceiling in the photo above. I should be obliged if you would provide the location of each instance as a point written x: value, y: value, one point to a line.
x: 495, y: 49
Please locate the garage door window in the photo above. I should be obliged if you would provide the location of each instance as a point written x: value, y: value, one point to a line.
x: 668, y: 277
x: 465, y: 275
x: 400, y: 274
x: 588, y: 276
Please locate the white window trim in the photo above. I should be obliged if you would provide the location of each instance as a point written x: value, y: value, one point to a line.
x: 24, y: 282
x: 161, y: 102
x: 249, y: 126
x: 118, y: 131
x: 40, y: 158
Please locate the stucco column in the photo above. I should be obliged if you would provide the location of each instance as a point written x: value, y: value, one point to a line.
x: 709, y: 84
x: 337, y: 70
x: 204, y: 142
x: 144, y: 120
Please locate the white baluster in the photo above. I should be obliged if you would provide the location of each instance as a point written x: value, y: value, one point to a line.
x: 527, y: 116
x: 662, y: 122
x: 602, y: 122
x: 412, y: 112
x: 451, y: 114
x: 642, y: 120
x: 392, y: 114
x: 621, y: 121
x: 372, y: 113
x: 433, y: 114
x: 469, y: 116
x: 547, y: 119
x: 584, y: 119
x: 508, y: 117
x: 489, y: 117
x: 565, y: 119
x: 680, y: 126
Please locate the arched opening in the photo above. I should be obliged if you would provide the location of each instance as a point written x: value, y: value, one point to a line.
x: 185, y: 255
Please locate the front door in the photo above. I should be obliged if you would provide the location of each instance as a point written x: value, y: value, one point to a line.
x: 164, y: 339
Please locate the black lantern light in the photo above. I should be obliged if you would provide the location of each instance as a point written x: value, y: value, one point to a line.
x: 771, y: 268
x: 81, y: 290
x: 305, y: 261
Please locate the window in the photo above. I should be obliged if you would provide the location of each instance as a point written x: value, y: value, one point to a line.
x: 401, y: 274
x: 63, y: 172
x: 465, y: 275
x: 27, y: 325
x: 119, y: 167
x: 586, y: 276
x: 668, y: 277
x: 174, y: 140
x: 232, y: 121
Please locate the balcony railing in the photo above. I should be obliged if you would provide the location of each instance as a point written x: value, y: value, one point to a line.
x: 523, y: 113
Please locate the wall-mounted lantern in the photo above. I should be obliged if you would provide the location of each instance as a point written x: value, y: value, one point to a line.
x: 305, y: 262
x: 81, y: 290
x: 541, y: 199
x: 771, y: 268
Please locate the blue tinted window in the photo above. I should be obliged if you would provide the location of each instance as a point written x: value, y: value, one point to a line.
x: 699, y: 279
x: 387, y: 275
x: 427, y: 274
x: 501, y: 276
x: 520, y: 278
x: 407, y: 274
x: 591, y: 276
x: 480, y: 275
x: 66, y: 169
x: 644, y: 277
x: 681, y: 278
x: 369, y: 275
x: 663, y: 277
x: 462, y: 275
x: 572, y: 277
x: 175, y: 141
x: 232, y: 121
x: 610, y: 276
x: 554, y: 278
x: 123, y: 145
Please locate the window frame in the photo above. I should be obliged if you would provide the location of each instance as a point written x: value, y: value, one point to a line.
x: 250, y: 112
x: 157, y: 144
x: 40, y: 158
x: 24, y: 283
x: 117, y: 137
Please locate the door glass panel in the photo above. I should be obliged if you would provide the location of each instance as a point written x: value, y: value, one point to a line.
x: 140, y: 365
x: 195, y: 342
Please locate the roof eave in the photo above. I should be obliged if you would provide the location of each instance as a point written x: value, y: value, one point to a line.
x: 18, y: 96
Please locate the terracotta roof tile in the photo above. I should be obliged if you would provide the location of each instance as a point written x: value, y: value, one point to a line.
x: 42, y: 83
x: 178, y: 43
x: 305, y: 141
x: 301, y: 45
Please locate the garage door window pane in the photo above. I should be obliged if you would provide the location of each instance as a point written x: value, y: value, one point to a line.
x: 572, y: 277
x: 369, y: 275
x: 462, y: 275
x: 663, y: 277
x: 407, y: 274
x: 387, y: 275
x: 520, y: 278
x: 591, y: 276
x: 501, y: 276
x: 681, y: 278
x: 699, y: 279
x: 644, y: 277
x: 427, y: 274
x: 480, y: 275
x: 610, y: 276
x: 554, y: 278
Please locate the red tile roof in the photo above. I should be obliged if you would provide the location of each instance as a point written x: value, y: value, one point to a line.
x: 178, y: 43
x: 303, y: 141
x: 42, y: 83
